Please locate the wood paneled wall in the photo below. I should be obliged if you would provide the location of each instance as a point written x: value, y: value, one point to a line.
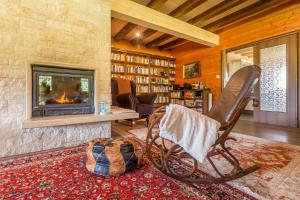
x: 270, y: 24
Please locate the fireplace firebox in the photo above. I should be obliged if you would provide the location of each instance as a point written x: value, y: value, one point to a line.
x: 62, y: 91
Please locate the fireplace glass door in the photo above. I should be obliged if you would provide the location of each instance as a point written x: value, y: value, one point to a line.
x: 56, y: 89
x: 60, y: 91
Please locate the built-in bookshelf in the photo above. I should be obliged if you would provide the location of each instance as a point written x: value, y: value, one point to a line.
x: 151, y: 73
x: 195, y: 99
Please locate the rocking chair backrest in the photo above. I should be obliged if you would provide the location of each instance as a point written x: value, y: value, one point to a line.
x: 237, y: 89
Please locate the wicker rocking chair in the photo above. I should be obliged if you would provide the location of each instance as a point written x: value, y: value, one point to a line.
x: 227, y: 111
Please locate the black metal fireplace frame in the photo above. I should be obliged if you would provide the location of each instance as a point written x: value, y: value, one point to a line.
x: 61, y: 109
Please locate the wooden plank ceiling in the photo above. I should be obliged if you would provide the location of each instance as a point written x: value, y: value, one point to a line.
x: 212, y: 15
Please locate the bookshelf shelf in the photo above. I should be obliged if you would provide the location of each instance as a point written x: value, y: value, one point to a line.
x: 130, y: 64
x: 134, y: 63
x: 118, y: 72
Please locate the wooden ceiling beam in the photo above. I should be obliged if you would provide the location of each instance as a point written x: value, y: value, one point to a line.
x: 130, y: 26
x: 124, y: 31
x: 138, y: 14
x: 173, y: 44
x: 177, y: 12
x: 215, y: 10
x: 156, y: 4
x: 159, y: 40
x: 247, y: 12
x: 148, y: 32
x: 186, y: 7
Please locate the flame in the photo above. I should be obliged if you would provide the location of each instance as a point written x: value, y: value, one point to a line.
x: 63, y: 99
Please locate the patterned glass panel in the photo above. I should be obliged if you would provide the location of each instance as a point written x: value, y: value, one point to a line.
x: 273, y: 78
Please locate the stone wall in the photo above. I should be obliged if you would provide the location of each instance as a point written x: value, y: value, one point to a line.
x: 69, y: 33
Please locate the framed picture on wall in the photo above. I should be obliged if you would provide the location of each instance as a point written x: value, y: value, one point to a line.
x: 192, y: 70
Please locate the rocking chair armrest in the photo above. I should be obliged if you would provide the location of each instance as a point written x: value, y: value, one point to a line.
x: 224, y: 126
x: 160, y: 109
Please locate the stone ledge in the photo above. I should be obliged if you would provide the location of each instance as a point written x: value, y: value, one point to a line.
x: 39, y: 122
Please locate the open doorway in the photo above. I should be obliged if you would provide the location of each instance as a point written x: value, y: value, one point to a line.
x: 236, y: 60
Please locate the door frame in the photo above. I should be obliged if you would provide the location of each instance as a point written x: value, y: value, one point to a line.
x: 253, y: 44
x: 298, y: 78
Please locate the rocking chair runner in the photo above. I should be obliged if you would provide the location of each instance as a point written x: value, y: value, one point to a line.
x: 227, y: 111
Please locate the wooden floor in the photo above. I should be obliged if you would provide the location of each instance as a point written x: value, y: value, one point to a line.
x: 248, y: 127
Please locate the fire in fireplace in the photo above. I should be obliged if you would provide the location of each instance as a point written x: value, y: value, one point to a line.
x: 62, y: 91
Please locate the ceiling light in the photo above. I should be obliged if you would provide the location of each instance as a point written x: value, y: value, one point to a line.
x: 138, y: 34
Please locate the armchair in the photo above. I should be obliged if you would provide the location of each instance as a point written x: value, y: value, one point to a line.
x: 124, y: 95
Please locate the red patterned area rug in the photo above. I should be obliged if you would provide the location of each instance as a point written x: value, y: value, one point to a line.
x: 61, y: 174
x: 279, y: 173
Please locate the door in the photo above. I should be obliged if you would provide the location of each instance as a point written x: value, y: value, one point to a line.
x: 277, y: 88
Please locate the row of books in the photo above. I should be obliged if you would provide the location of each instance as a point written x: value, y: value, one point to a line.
x: 160, y: 80
x: 162, y: 99
x: 137, y: 70
x: 134, y: 70
x: 141, y: 59
x: 172, y: 72
x: 159, y: 62
x: 117, y: 68
x: 137, y: 59
x: 142, y: 89
x: 118, y: 56
x: 142, y: 79
x: 156, y: 88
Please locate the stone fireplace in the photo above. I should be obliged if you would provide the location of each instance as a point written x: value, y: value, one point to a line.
x: 62, y: 91
x: 65, y: 33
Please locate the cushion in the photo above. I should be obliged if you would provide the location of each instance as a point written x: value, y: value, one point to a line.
x: 124, y: 86
x: 113, y: 157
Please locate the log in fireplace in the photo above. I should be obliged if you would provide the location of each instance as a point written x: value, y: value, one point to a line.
x: 62, y: 91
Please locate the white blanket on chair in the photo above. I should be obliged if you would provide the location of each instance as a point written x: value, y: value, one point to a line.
x: 193, y: 131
